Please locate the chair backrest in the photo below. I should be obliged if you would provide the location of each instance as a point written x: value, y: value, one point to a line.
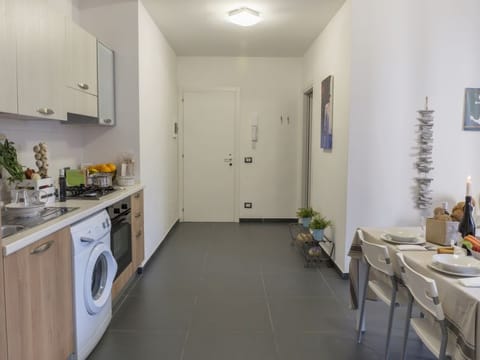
x: 423, y: 289
x: 376, y: 255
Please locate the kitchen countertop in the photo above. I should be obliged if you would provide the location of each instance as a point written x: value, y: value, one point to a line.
x: 86, y: 208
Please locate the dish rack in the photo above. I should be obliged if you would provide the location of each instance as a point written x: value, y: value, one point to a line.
x: 46, y: 185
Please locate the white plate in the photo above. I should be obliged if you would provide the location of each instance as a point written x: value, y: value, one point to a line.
x: 442, y: 270
x: 457, y: 263
x: 403, y: 235
x: 414, y: 241
x: 20, y: 210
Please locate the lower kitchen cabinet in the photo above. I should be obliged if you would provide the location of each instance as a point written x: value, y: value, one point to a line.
x: 137, y: 245
x: 3, y: 328
x: 38, y: 299
x: 138, y: 240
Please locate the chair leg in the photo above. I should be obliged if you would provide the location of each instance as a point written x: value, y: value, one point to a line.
x: 390, y: 316
x: 443, y: 344
x: 362, y: 305
x: 407, y: 326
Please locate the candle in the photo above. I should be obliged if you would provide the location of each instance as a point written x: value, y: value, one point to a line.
x: 469, y: 184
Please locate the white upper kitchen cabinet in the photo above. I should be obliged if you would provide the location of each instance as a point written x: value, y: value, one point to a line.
x: 106, y: 85
x: 40, y: 60
x: 8, y: 67
x: 81, y: 59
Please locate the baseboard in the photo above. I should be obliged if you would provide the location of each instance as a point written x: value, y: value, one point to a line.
x: 268, y: 220
x: 340, y: 273
x: 157, y: 250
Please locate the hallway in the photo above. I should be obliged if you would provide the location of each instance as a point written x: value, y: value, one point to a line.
x: 228, y: 291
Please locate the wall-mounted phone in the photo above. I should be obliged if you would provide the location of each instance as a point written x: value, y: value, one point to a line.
x: 255, y: 127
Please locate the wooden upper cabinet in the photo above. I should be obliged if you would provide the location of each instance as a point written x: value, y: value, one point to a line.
x: 38, y: 296
x: 40, y: 60
x: 81, y: 54
x: 8, y: 66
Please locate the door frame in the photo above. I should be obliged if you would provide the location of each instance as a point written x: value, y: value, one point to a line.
x: 308, y: 102
x: 236, y: 147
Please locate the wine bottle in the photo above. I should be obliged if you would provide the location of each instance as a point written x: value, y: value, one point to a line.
x: 467, y: 225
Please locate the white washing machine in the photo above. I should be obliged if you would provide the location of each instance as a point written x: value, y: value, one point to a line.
x: 94, y: 269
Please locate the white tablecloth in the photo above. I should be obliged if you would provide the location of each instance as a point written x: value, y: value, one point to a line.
x: 460, y: 304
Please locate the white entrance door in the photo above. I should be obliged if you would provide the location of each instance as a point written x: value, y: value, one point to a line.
x: 208, y: 149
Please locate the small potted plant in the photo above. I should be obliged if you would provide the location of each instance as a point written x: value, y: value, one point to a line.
x: 305, y: 216
x: 318, y: 225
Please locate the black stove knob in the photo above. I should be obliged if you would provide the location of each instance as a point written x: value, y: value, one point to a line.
x: 124, y: 206
x: 116, y: 210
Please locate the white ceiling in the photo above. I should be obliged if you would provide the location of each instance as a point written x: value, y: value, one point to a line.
x: 200, y: 27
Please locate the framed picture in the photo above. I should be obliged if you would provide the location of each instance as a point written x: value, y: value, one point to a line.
x: 326, y: 123
x: 471, y: 120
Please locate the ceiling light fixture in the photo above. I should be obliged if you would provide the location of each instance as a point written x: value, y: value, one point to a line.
x: 244, y: 16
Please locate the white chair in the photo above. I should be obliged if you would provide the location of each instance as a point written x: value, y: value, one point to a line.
x: 424, y: 291
x: 377, y: 257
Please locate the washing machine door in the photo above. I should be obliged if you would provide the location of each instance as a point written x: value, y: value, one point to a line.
x: 99, y: 275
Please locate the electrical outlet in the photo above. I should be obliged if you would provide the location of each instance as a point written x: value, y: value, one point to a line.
x: 248, y: 160
x: 247, y: 205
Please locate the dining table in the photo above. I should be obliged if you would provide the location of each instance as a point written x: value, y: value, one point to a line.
x: 460, y: 303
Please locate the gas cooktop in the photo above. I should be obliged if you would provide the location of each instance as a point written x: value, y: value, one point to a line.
x: 88, y: 192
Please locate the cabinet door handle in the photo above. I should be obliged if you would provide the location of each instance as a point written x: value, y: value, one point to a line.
x: 107, y: 121
x: 42, y: 248
x: 45, y: 111
x: 139, y: 233
x: 83, y: 86
x: 137, y: 215
x: 137, y: 195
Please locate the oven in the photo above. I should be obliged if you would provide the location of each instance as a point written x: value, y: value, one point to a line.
x: 121, y: 233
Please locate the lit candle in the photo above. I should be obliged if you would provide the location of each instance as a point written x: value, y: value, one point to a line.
x: 469, y: 184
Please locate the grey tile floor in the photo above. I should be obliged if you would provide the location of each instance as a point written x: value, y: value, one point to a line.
x: 227, y: 291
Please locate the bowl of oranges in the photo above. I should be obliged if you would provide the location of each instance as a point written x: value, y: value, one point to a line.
x: 102, y: 175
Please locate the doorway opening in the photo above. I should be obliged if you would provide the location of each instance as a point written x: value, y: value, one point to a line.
x: 307, y: 146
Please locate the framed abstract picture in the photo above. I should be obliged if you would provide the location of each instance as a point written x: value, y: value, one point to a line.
x: 471, y: 116
x: 326, y: 123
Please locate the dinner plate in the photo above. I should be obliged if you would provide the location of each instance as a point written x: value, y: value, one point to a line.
x: 442, y: 270
x: 457, y: 263
x: 403, y: 235
x: 415, y: 241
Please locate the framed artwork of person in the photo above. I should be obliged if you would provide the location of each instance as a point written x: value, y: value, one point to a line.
x: 326, y: 123
x: 471, y: 116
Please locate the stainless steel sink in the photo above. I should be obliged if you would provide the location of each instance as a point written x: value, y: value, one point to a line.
x: 8, y: 230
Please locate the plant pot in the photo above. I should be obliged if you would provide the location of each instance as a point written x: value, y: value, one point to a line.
x: 317, y: 234
x: 305, y: 221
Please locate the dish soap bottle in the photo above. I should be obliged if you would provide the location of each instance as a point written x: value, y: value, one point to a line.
x: 62, y: 186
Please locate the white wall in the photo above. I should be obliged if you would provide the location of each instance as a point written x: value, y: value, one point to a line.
x: 402, y: 51
x: 330, y: 54
x: 146, y: 107
x: 270, y: 87
x: 158, y: 113
x: 65, y: 143
x: 115, y: 24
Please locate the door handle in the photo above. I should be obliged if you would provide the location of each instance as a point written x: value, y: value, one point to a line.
x: 228, y: 159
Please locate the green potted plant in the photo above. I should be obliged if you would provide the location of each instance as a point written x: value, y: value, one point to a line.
x: 318, y: 225
x: 305, y: 216
x: 9, y: 161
